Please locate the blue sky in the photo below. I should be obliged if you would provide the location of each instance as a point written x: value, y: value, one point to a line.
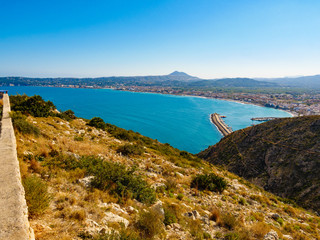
x: 205, y: 38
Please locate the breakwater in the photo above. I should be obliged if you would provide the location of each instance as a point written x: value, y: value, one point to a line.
x: 14, y: 224
x: 220, y: 124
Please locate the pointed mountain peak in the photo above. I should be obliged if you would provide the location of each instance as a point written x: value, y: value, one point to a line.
x: 176, y: 73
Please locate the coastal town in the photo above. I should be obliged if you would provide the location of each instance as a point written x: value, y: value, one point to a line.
x: 298, y: 104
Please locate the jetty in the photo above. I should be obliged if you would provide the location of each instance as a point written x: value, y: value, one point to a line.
x: 220, y: 124
x: 262, y: 119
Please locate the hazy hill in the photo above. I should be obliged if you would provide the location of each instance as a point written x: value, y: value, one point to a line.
x: 175, y: 79
x: 305, y: 81
x: 99, y: 82
x: 282, y: 156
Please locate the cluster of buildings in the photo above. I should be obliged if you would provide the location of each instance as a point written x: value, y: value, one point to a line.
x: 298, y: 104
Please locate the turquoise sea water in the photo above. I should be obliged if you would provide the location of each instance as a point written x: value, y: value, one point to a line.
x: 183, y: 122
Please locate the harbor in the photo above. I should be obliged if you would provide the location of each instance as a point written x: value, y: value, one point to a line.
x: 220, y: 124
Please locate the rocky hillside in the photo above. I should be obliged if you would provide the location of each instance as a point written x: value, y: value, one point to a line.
x: 282, y: 156
x: 91, y: 180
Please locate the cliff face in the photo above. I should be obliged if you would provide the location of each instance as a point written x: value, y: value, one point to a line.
x: 282, y: 156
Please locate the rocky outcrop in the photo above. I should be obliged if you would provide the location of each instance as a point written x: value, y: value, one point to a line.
x: 282, y: 156
x: 14, y: 224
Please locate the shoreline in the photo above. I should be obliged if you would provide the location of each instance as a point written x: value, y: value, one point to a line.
x: 292, y: 113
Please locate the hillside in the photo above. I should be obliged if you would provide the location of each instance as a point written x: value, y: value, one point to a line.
x: 91, y: 180
x: 303, y: 81
x: 175, y: 79
x: 282, y: 156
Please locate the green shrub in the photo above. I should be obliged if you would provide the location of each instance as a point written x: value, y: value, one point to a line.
x: 78, y: 138
x: 229, y: 221
x: 67, y: 115
x: 232, y: 236
x: 169, y: 216
x: 35, y: 105
x: 37, y: 196
x: 130, y: 149
x: 20, y: 124
x: 97, y: 123
x: 113, y: 177
x: 150, y: 223
x: 209, y: 182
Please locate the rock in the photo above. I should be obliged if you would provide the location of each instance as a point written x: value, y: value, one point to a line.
x: 86, y: 181
x: 111, y: 217
x: 131, y: 209
x: 287, y: 237
x: 194, y: 215
x: 76, y: 156
x: 158, y: 207
x: 27, y: 153
x: 205, y: 219
x: 158, y: 185
x: 275, y: 216
x: 67, y: 132
x: 272, y: 235
x: 151, y: 174
x: 175, y: 226
x: 179, y: 175
x: 186, y: 206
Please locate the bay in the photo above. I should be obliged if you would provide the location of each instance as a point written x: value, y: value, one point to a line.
x: 181, y: 121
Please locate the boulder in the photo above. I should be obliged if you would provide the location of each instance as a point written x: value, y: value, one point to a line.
x: 272, y: 235
x: 111, y: 217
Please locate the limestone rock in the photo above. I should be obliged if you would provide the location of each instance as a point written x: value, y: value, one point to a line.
x: 111, y: 217
x: 158, y: 207
x: 86, y: 181
x: 272, y: 235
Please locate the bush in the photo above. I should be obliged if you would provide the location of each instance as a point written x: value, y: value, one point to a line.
x: 67, y: 115
x: 228, y: 221
x: 35, y: 105
x: 232, y: 236
x: 169, y: 217
x: 130, y: 149
x: 97, y: 123
x: 209, y: 182
x: 150, y: 223
x: 37, y: 196
x: 20, y: 124
x: 114, y: 177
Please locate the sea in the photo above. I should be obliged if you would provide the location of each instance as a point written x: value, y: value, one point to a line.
x: 182, y: 121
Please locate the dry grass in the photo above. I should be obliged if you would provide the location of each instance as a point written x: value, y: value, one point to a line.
x: 72, y: 203
x: 260, y: 229
x: 215, y: 215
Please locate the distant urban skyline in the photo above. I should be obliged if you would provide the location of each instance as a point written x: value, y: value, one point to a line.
x: 205, y: 38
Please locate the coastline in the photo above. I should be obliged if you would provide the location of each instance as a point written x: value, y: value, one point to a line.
x: 292, y: 113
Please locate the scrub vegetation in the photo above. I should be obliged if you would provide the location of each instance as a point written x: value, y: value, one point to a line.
x: 118, y: 184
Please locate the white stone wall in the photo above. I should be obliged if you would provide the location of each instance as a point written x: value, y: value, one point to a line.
x: 14, y: 224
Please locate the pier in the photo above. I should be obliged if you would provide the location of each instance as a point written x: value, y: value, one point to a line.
x: 220, y: 124
x: 262, y: 119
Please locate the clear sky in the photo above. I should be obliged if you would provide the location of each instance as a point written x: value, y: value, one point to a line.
x: 205, y: 38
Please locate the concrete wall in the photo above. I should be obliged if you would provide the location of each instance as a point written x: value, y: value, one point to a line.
x: 14, y: 224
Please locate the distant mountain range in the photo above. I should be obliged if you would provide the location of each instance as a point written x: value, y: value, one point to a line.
x: 175, y: 79
x: 304, y: 81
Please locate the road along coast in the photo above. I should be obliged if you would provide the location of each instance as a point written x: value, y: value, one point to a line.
x: 220, y: 124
